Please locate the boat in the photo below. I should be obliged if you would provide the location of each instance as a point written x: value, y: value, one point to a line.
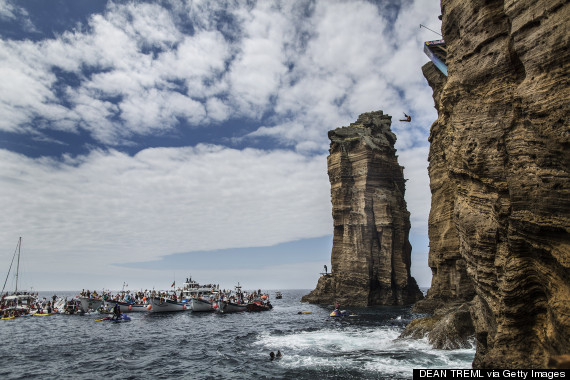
x: 90, y: 304
x: 200, y: 298
x: 59, y: 305
x: 122, y: 318
x: 201, y: 304
x: 127, y: 307
x: 230, y: 307
x: 259, y: 306
x: 231, y: 303
x: 338, y: 313
x: 18, y: 303
x: 158, y: 304
x: 72, y: 306
x: 278, y: 295
x: 43, y: 314
x: 342, y: 313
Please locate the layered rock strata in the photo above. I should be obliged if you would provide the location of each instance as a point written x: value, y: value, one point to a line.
x: 499, y: 170
x: 371, y: 252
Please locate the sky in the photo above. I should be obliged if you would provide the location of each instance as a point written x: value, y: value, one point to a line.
x: 142, y: 142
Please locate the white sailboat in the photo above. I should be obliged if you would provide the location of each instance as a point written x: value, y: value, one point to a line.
x: 18, y: 303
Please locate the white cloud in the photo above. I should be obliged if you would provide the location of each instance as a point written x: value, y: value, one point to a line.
x: 217, y: 110
x: 139, y: 69
x: 9, y: 11
x: 114, y: 208
x: 255, y: 74
x: 319, y: 69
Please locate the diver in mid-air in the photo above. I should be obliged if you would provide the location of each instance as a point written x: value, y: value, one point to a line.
x: 407, y: 119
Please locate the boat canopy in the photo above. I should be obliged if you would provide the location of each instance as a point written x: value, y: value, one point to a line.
x: 437, y: 52
x: 18, y: 297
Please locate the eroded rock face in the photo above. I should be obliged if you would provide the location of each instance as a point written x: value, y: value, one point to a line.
x: 499, y: 161
x: 371, y: 252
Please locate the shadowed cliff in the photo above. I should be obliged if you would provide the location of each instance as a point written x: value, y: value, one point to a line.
x: 500, y: 217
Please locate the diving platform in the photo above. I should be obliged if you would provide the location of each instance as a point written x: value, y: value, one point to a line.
x: 437, y: 53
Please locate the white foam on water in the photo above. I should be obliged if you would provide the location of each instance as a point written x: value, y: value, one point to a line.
x: 376, y: 350
x: 331, y: 340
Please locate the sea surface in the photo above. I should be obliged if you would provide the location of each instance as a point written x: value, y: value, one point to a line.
x: 188, y: 345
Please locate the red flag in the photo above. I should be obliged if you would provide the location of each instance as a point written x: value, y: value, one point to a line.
x: 174, y: 283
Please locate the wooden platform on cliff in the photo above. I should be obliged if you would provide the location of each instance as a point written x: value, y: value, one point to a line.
x: 326, y: 274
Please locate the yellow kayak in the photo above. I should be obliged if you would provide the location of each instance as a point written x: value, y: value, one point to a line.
x: 43, y: 314
x: 8, y: 318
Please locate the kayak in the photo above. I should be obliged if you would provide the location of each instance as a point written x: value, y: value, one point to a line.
x: 43, y: 314
x: 4, y: 318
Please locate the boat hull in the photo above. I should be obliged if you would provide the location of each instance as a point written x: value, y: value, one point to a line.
x: 257, y: 306
x: 230, y: 307
x: 90, y: 303
x: 128, y: 307
x: 160, y: 305
x: 201, y: 305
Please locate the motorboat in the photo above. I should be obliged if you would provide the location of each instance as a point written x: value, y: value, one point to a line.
x: 201, y: 304
x: 17, y: 305
x: 127, y: 307
x: 199, y: 297
x: 158, y: 304
x: 230, y: 307
x: 231, y: 303
x: 90, y: 304
x: 258, y: 305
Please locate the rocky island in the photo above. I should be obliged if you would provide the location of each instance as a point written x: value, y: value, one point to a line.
x: 371, y: 252
x: 498, y: 165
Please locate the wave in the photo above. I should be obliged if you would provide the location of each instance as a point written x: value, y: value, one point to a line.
x: 374, y: 350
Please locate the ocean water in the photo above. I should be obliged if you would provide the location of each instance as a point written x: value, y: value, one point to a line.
x: 229, y: 346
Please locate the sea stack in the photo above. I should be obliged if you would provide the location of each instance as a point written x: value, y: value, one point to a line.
x: 371, y: 252
x: 499, y: 174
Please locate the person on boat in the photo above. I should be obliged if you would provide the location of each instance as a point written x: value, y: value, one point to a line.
x: 117, y: 311
x: 407, y: 119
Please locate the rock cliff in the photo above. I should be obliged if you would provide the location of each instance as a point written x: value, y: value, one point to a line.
x: 499, y: 160
x: 371, y: 253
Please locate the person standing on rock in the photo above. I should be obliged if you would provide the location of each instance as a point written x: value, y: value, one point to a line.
x: 325, y: 269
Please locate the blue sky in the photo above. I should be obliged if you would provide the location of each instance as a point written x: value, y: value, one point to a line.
x: 143, y: 142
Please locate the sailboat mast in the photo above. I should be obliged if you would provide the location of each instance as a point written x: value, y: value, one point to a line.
x: 11, y: 263
x: 18, y: 266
